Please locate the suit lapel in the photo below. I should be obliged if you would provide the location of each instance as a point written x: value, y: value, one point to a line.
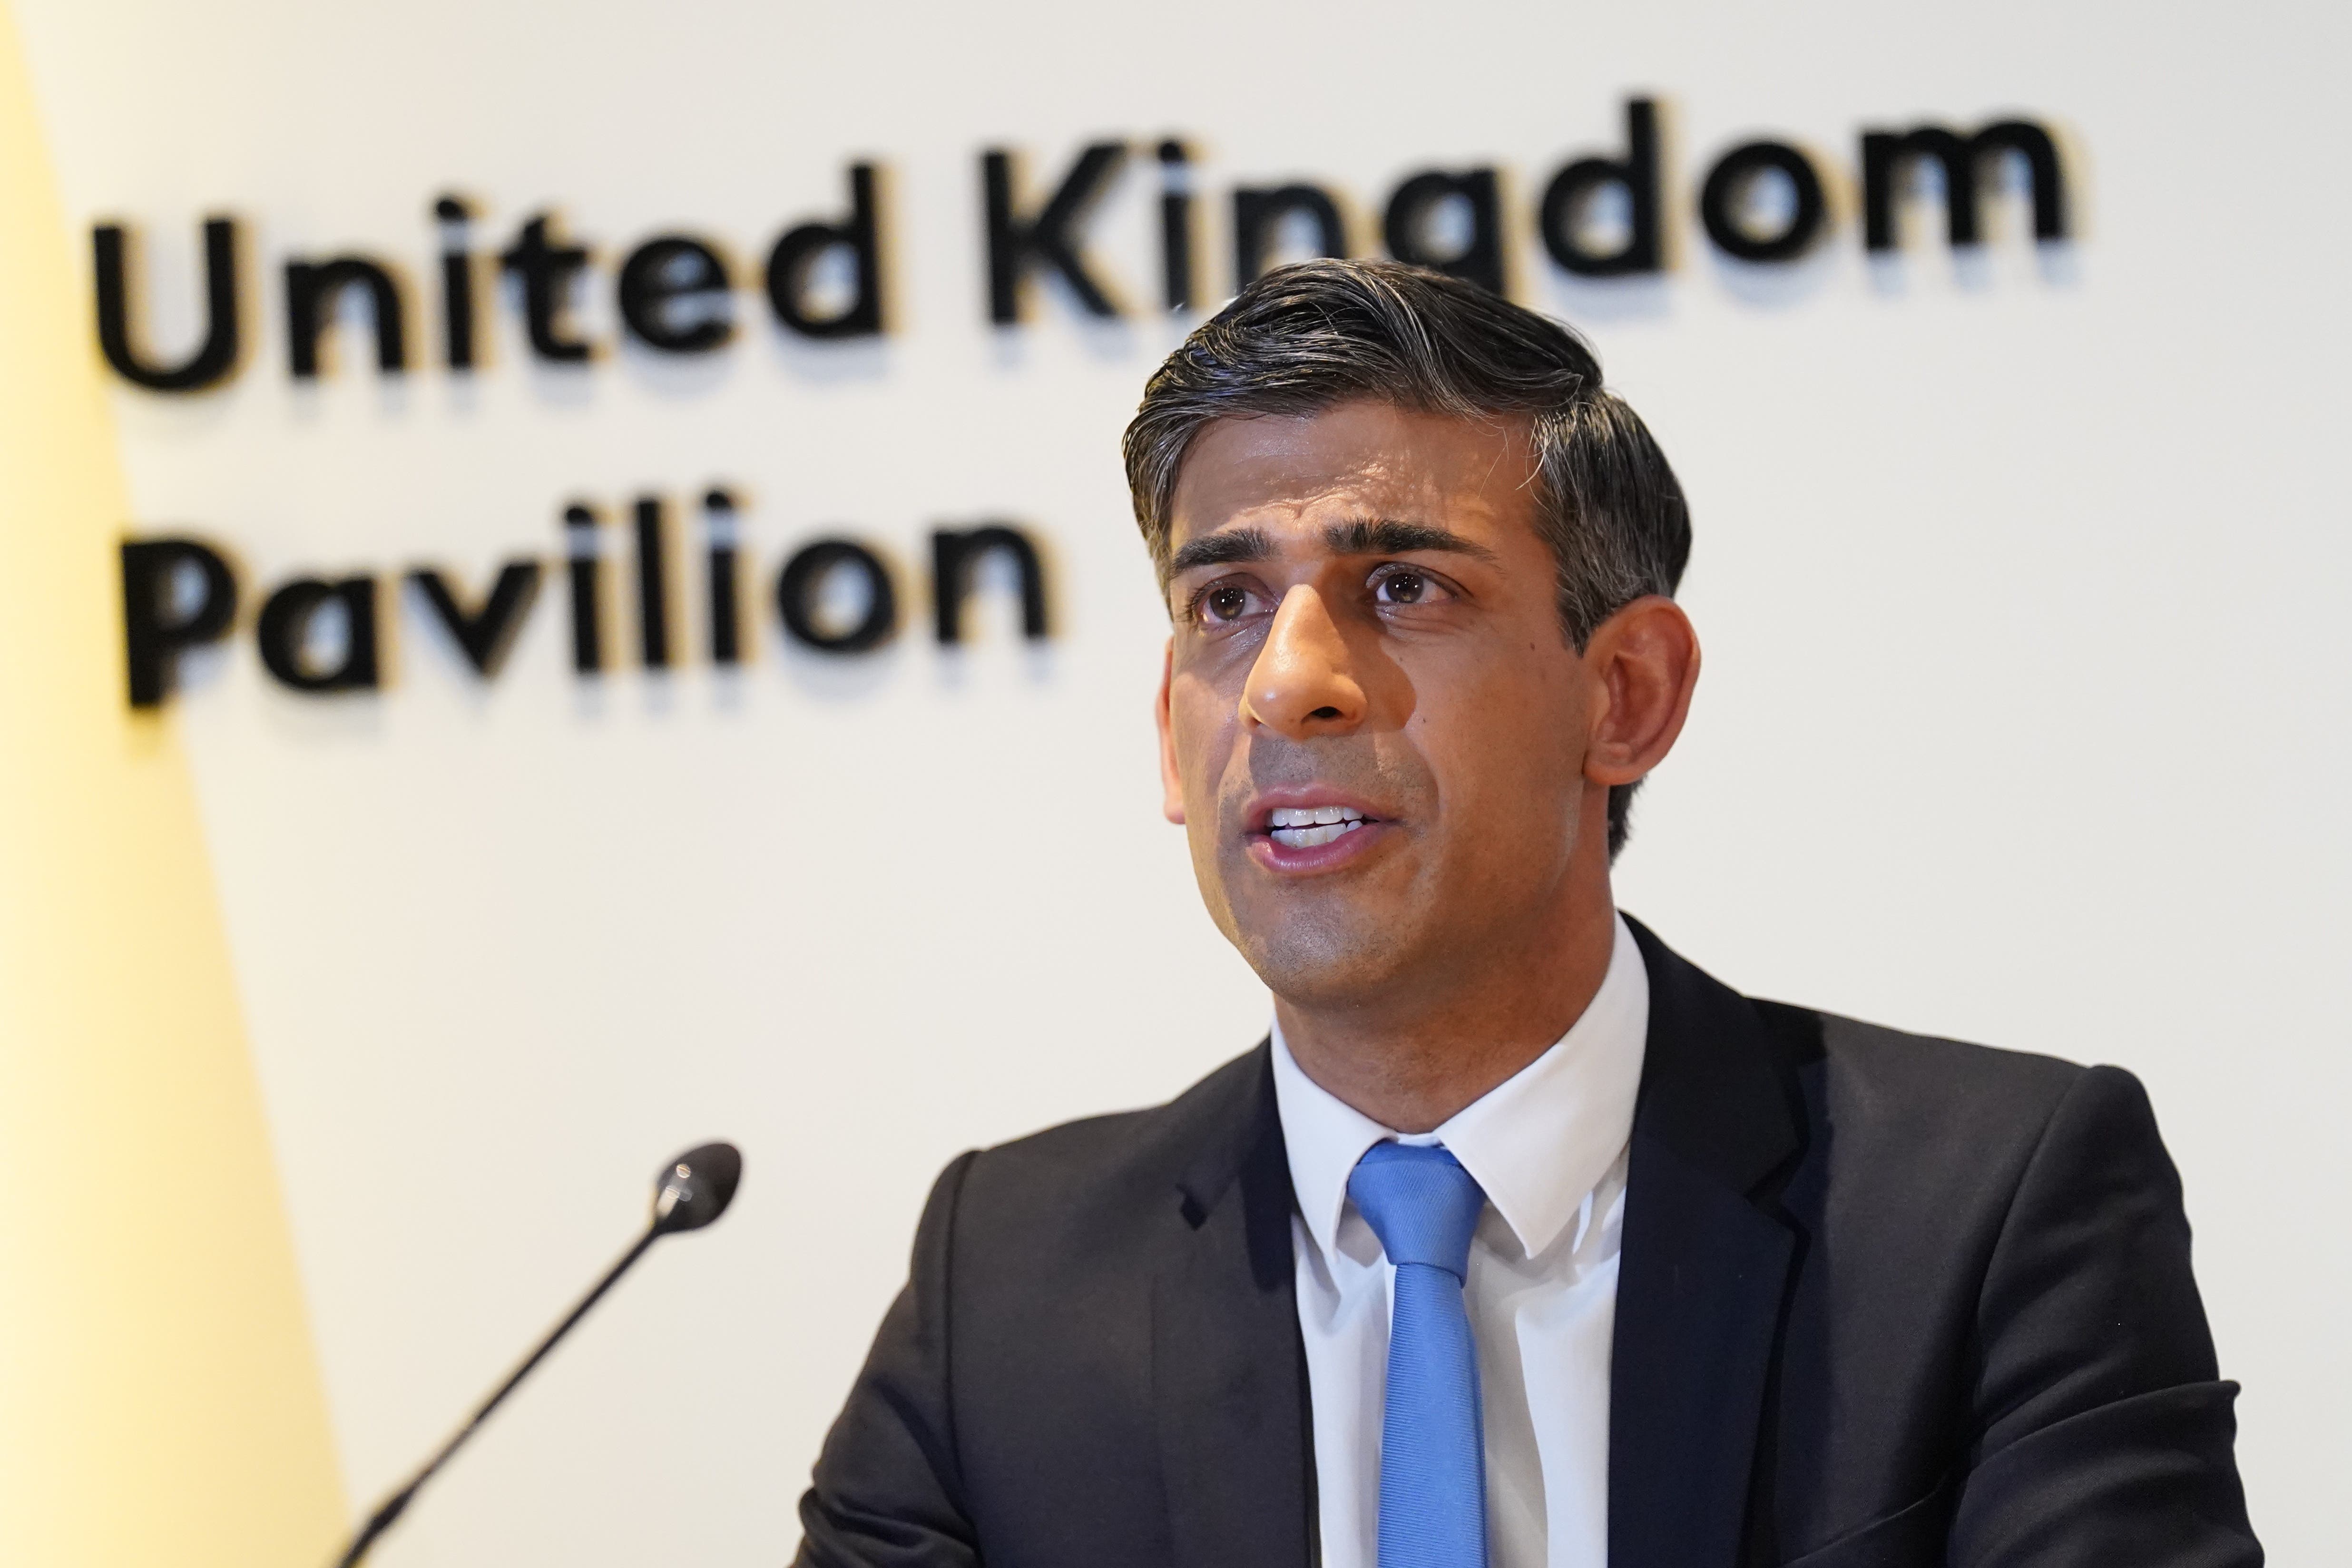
x: 1701, y: 1275
x: 1227, y: 1365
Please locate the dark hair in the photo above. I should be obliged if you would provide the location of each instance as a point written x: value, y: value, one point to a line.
x: 1303, y: 338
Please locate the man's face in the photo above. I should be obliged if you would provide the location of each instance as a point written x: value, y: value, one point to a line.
x: 1373, y: 727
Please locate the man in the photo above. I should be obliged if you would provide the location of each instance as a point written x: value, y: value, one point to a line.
x: 1520, y: 1241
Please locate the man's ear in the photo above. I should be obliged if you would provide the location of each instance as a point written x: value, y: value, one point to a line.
x: 1172, y: 782
x: 1645, y: 658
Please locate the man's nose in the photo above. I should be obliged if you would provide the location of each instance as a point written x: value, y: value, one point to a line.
x: 1301, y: 686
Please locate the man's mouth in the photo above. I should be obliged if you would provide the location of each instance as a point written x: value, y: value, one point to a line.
x: 1305, y: 827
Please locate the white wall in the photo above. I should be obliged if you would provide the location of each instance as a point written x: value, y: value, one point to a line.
x: 2021, y: 587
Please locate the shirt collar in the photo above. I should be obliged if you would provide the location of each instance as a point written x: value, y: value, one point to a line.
x: 1537, y: 1142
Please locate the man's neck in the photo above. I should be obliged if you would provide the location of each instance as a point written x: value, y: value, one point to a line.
x: 1410, y: 1061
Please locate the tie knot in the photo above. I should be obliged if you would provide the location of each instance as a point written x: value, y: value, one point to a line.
x: 1420, y: 1202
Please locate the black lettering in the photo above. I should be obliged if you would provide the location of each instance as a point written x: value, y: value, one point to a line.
x: 285, y: 624
x: 457, y: 284
x: 587, y: 626
x: 1406, y: 227
x: 653, y: 584
x: 1175, y: 226
x: 1015, y: 243
x: 1885, y: 153
x: 311, y: 290
x: 674, y: 295
x: 1728, y: 185
x: 726, y: 632
x: 488, y: 634
x: 215, y: 358
x: 546, y: 269
x: 1565, y: 198
x: 804, y: 578
x: 955, y: 553
x: 1258, y: 215
x: 152, y: 635
x: 792, y: 263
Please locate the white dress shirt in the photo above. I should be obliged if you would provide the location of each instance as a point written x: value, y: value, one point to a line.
x: 1549, y: 1146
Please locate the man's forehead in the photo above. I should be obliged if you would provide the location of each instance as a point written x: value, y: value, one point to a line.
x: 1301, y: 473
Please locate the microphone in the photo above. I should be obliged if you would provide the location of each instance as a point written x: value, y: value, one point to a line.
x: 689, y: 1193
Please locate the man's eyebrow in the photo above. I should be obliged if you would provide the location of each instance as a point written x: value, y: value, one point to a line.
x: 1380, y: 536
x: 1224, y: 549
x: 1385, y: 536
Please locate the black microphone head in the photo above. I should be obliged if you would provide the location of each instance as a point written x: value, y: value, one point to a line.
x: 696, y: 1188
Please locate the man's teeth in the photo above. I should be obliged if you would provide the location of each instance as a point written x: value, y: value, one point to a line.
x: 1305, y: 827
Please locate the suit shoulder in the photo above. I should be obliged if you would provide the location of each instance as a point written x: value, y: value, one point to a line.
x: 1944, y: 1092
x: 1108, y: 1153
x: 1916, y: 1149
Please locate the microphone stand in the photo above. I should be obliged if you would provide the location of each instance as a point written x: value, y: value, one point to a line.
x: 397, y: 1503
x: 690, y: 1192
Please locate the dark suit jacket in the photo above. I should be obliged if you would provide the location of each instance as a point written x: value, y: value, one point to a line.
x: 1882, y: 1301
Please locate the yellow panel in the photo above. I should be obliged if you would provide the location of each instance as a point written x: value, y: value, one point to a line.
x: 159, y: 1401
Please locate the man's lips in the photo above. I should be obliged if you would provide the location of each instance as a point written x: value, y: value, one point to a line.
x: 1310, y: 830
x: 1308, y: 827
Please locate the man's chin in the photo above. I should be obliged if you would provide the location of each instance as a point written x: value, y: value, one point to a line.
x: 1312, y: 960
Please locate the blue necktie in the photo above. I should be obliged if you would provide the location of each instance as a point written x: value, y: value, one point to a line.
x: 1423, y: 1206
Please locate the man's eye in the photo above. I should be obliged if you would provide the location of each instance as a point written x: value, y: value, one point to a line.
x: 1225, y: 603
x: 1403, y: 588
